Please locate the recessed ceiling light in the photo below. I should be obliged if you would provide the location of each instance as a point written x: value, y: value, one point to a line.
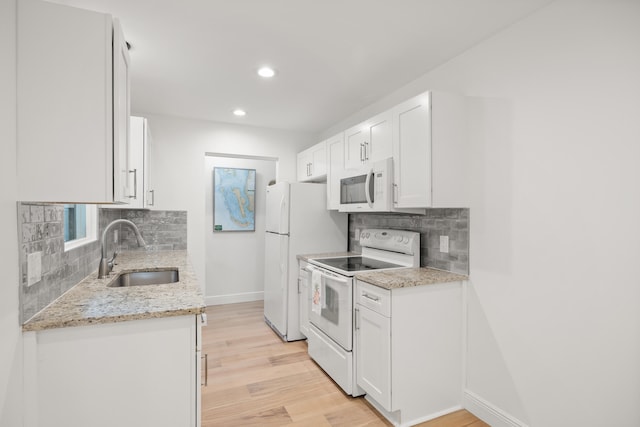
x: 239, y: 112
x: 266, y: 72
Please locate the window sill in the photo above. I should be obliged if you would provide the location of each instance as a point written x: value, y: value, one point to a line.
x: 78, y: 242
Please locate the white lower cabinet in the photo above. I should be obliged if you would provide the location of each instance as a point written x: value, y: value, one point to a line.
x: 304, y: 297
x: 409, y: 350
x: 374, y: 355
x: 126, y: 374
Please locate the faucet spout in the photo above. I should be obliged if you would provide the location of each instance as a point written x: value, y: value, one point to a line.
x: 107, y: 265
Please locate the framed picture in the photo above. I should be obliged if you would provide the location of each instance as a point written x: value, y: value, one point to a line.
x: 234, y: 200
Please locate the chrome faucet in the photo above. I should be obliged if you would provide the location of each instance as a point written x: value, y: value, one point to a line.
x: 106, y: 265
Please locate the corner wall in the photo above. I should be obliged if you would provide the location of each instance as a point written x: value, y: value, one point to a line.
x: 553, y: 319
x: 11, y: 383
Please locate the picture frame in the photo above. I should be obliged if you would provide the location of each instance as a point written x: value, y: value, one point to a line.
x: 234, y: 192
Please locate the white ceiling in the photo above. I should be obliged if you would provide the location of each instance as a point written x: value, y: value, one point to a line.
x: 198, y: 58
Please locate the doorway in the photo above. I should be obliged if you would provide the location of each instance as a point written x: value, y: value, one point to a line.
x: 234, y: 260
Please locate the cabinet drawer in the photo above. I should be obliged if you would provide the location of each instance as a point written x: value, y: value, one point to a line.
x: 373, y: 297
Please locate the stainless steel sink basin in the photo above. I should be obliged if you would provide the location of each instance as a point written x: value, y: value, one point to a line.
x: 142, y: 278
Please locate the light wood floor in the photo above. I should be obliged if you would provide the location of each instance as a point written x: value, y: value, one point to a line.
x: 255, y: 379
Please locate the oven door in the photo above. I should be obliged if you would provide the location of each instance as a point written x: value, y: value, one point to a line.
x: 331, y: 308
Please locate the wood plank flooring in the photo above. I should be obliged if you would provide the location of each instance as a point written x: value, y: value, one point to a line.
x: 255, y: 379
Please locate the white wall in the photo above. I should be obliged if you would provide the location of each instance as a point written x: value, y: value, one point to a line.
x: 178, y: 175
x: 554, y: 305
x: 234, y: 261
x: 11, y: 386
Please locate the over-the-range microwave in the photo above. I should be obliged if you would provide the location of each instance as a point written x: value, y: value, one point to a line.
x: 370, y: 189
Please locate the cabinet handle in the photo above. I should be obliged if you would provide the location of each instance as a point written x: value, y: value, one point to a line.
x: 361, y: 152
x: 395, y: 193
x: 135, y: 184
x: 357, y: 318
x: 366, y: 150
x: 153, y: 198
x: 206, y: 370
x: 310, y: 169
x: 370, y: 297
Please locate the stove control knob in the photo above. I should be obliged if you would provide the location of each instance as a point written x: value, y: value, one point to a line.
x: 398, y: 238
x: 405, y: 240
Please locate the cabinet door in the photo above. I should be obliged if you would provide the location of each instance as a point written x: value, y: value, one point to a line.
x: 137, y: 167
x: 312, y: 163
x: 81, y: 373
x: 303, y: 166
x: 304, y: 300
x: 149, y: 188
x: 318, y: 157
x: 121, y: 96
x: 373, y: 355
x: 335, y: 169
x: 65, y: 110
x: 412, y: 153
x: 369, y: 141
x: 354, y: 139
x: 378, y: 141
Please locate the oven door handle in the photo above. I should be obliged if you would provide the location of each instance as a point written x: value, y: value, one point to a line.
x: 332, y: 276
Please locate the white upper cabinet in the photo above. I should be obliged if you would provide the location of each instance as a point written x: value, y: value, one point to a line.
x: 137, y: 162
x: 73, y: 105
x: 368, y: 141
x: 312, y: 163
x: 430, y: 152
x: 335, y: 169
x: 123, y: 188
x: 148, y: 187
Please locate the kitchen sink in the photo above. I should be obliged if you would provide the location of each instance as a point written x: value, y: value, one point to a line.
x: 142, y: 278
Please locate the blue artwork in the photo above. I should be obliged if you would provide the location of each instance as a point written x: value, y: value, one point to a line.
x: 234, y: 199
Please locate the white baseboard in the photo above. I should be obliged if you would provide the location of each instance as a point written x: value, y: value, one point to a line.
x: 487, y: 412
x: 234, y: 298
x: 394, y: 417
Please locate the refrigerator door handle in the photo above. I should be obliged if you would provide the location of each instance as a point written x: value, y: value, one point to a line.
x: 282, y: 207
x: 283, y: 258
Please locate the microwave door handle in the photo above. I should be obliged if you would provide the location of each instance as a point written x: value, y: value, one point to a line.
x: 367, y: 189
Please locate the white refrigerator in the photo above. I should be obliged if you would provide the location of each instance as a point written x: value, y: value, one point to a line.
x: 297, y: 222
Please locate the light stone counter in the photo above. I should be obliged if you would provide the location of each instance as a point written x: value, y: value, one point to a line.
x: 408, y: 277
x: 396, y: 278
x: 92, y: 302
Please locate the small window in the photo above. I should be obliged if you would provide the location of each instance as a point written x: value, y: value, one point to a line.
x: 80, y: 225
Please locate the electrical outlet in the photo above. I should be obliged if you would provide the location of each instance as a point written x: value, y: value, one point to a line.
x: 444, y: 244
x: 357, y: 234
x: 115, y: 236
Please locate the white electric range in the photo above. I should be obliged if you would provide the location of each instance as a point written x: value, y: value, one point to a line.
x: 331, y: 316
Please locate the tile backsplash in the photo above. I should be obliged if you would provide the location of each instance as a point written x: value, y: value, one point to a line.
x: 453, y: 223
x: 41, y: 229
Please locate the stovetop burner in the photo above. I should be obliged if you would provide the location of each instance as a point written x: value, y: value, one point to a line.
x: 356, y: 263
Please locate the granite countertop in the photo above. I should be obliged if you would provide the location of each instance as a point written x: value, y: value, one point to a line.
x: 92, y: 302
x: 396, y: 278
x: 408, y: 277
